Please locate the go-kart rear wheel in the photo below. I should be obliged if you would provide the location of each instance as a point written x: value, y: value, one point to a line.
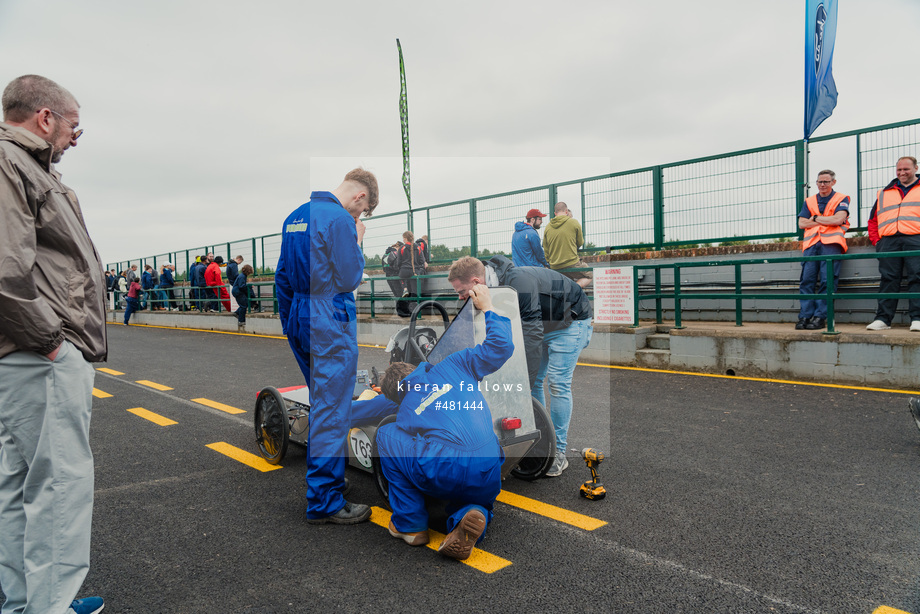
x: 540, y: 458
x: 380, y: 480
x: 272, y: 426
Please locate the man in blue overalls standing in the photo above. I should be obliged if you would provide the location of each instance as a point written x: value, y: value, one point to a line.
x: 442, y: 443
x: 321, y: 264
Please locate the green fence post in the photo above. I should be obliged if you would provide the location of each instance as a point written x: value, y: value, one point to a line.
x: 635, y: 297
x: 858, y: 183
x: 677, y: 296
x: 658, y: 315
x: 738, y: 291
x: 831, y: 291
x: 801, y: 167
x: 474, y: 243
x: 658, y: 205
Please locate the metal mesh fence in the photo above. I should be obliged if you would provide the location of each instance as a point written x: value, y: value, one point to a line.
x: 620, y: 208
x: 753, y: 194
x: 496, y: 215
x: 731, y: 197
x: 879, y: 151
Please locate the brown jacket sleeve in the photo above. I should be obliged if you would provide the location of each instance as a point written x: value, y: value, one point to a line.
x: 26, y: 319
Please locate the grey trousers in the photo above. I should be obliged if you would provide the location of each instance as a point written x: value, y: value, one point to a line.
x: 46, y: 479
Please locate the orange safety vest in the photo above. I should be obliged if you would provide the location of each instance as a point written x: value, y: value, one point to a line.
x: 822, y: 233
x: 897, y: 215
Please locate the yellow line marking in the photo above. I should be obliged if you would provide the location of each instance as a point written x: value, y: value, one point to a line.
x: 884, y: 609
x: 256, y: 462
x: 109, y: 371
x: 154, y: 385
x: 227, y: 408
x: 99, y: 394
x: 550, y: 511
x: 149, y: 415
x: 750, y: 379
x: 581, y: 364
x: 479, y: 559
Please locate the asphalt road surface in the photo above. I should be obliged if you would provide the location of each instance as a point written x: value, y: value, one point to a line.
x: 725, y: 495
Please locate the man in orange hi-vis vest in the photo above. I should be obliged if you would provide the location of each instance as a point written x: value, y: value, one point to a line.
x: 894, y: 226
x: 825, y: 219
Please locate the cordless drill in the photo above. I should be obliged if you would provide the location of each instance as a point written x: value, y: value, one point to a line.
x: 592, y: 489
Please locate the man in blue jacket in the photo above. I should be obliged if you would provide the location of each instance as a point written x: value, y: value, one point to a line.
x: 442, y: 444
x: 320, y: 265
x: 526, y: 248
x: 556, y: 317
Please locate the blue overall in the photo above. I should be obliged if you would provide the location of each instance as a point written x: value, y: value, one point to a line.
x: 442, y: 443
x: 320, y: 266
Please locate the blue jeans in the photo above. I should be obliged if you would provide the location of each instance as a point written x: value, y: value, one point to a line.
x: 131, y: 307
x: 814, y: 279
x: 561, y: 349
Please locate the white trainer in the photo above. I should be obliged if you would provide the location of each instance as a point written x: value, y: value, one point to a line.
x: 879, y: 325
x: 915, y: 326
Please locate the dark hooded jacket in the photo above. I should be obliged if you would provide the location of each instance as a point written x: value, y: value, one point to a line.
x: 547, y: 300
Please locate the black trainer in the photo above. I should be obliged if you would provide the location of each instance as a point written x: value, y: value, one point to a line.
x: 816, y: 323
x: 914, y: 405
x: 800, y: 325
x: 352, y: 513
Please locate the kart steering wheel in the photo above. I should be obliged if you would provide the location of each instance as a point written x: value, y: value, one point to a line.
x: 412, y: 346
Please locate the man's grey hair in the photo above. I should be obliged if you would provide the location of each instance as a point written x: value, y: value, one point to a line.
x: 828, y: 171
x: 27, y: 94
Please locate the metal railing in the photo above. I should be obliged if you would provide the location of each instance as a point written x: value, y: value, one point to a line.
x: 748, y: 195
x: 199, y: 298
x: 739, y: 295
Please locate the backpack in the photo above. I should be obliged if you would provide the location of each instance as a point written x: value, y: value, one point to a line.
x: 389, y: 259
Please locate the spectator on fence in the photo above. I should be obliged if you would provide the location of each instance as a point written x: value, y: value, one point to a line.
x: 561, y: 241
x: 133, y: 299
x: 216, y: 285
x: 201, y: 286
x: 147, y: 286
x: 131, y: 274
x: 241, y: 294
x: 894, y: 226
x: 167, y: 282
x: 390, y: 262
x: 526, y: 249
x: 411, y: 263
x: 825, y: 219
x: 155, y: 278
x: 424, y: 243
x: 121, y: 286
x: 233, y: 269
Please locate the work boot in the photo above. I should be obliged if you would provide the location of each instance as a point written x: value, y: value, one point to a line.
x: 352, y: 513
x: 459, y: 543
x: 816, y: 323
x: 419, y: 538
x: 800, y: 325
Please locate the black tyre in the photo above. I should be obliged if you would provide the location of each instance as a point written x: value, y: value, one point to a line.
x: 383, y: 486
x: 272, y: 426
x: 540, y: 458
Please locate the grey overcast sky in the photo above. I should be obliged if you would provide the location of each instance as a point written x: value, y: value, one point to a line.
x: 209, y: 121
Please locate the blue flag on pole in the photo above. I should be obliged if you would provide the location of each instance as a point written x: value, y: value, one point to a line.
x: 820, y: 89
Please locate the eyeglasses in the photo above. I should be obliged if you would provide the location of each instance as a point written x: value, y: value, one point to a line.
x: 824, y: 182
x: 75, y: 132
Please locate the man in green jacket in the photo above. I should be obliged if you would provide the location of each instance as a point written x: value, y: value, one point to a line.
x: 561, y: 241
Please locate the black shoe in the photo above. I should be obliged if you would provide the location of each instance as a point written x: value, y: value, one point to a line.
x: 914, y: 405
x: 352, y: 513
x: 816, y: 323
x: 800, y: 325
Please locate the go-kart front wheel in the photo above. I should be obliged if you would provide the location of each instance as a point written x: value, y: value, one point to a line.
x: 272, y: 427
x: 380, y: 480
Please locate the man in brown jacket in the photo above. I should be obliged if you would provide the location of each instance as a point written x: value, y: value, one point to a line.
x: 52, y: 328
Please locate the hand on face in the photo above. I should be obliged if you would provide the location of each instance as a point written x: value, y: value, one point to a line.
x: 481, y: 298
x: 361, y: 228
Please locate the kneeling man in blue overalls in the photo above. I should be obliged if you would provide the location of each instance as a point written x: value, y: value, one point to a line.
x: 443, y: 444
